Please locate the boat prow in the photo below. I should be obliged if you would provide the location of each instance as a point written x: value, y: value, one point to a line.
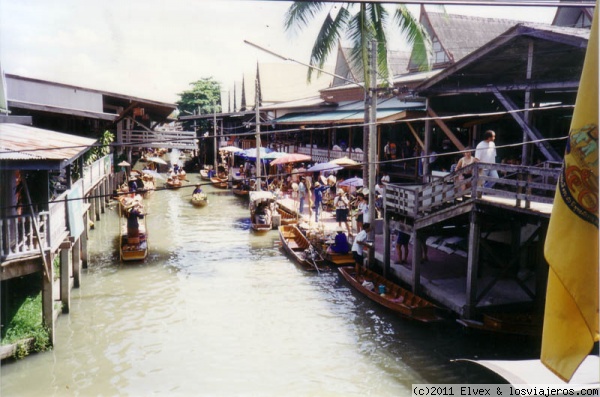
x: 300, y: 249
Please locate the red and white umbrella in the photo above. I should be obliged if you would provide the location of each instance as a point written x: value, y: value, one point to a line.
x: 291, y: 158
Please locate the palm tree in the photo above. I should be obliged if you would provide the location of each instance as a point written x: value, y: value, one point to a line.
x: 369, y: 22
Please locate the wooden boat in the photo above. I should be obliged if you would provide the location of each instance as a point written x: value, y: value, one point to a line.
x: 182, y: 175
x: 393, y: 297
x: 219, y: 182
x: 241, y: 191
x: 287, y: 217
x: 204, y: 175
x: 173, y: 183
x: 262, y: 206
x: 300, y: 249
x: 133, y: 248
x: 339, y: 259
x: 199, y: 199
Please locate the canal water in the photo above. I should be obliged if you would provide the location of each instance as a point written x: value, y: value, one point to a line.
x: 217, y: 310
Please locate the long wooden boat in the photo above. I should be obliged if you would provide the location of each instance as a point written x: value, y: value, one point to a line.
x: 241, y: 188
x: 133, y: 248
x: 219, y: 182
x: 300, y: 249
x: 392, y: 295
x: 199, y: 199
x: 262, y: 206
x: 173, y: 183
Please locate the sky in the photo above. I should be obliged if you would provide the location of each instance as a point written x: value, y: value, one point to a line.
x: 154, y: 49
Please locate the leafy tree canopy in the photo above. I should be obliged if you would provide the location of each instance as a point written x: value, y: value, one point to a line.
x: 201, y: 99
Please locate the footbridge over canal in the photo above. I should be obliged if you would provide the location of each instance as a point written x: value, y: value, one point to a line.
x: 167, y: 139
x: 497, y: 223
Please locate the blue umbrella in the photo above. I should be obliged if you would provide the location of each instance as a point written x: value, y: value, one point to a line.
x: 356, y: 182
x: 273, y: 155
x: 324, y: 167
x: 251, y: 153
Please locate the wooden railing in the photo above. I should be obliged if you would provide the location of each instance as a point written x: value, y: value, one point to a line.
x: 522, y: 184
x: 18, y: 237
x: 324, y: 155
x: 17, y: 233
x: 161, y: 139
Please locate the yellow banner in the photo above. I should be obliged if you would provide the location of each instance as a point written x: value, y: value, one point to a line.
x: 571, y: 247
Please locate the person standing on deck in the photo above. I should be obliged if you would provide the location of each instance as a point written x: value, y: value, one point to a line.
x: 301, y: 194
x: 402, y: 247
x: 485, y: 152
x: 357, y: 247
x: 319, y: 199
x: 341, y: 204
x: 465, y: 161
x: 363, y: 211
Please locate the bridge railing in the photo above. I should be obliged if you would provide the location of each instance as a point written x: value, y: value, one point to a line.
x: 161, y: 139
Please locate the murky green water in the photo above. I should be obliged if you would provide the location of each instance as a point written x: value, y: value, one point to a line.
x: 219, y: 311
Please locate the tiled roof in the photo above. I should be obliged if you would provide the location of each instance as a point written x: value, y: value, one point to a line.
x: 460, y: 35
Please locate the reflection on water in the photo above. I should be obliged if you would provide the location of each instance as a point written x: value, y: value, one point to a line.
x: 217, y: 310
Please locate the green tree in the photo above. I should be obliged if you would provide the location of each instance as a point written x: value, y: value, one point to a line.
x: 360, y: 23
x: 202, y: 98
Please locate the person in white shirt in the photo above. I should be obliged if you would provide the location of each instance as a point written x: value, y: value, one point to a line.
x: 485, y: 152
x: 385, y: 178
x: 363, y: 211
x: 357, y: 248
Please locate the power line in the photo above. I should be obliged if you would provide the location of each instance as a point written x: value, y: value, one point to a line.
x: 305, y: 129
x: 278, y: 175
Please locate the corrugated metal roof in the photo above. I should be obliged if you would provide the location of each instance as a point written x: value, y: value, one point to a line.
x: 62, y: 110
x: 352, y: 112
x: 22, y: 142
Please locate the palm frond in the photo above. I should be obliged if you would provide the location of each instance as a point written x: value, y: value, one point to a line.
x: 301, y: 13
x: 379, y: 17
x: 327, y: 39
x: 416, y: 36
x: 361, y: 30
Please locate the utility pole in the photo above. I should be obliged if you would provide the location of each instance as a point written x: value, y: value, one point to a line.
x: 215, y: 137
x: 372, y: 93
x: 258, y: 144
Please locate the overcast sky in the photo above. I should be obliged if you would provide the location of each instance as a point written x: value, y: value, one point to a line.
x: 154, y: 48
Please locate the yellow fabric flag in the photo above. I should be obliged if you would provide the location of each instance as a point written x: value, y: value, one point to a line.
x: 571, y: 248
